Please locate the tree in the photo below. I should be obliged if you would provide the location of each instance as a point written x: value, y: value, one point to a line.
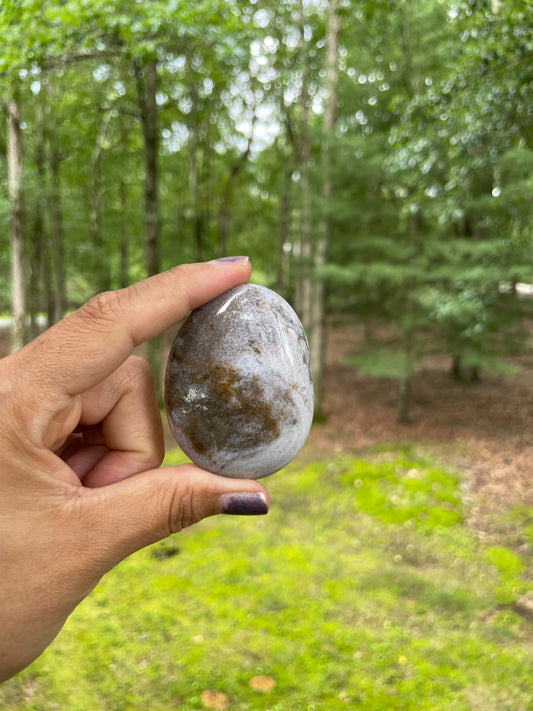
x: 18, y: 262
x: 380, y: 149
x: 317, y: 310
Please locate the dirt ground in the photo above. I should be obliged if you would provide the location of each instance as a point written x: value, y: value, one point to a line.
x: 484, y: 429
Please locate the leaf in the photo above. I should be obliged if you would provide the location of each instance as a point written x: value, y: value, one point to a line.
x: 214, y: 700
x: 264, y: 684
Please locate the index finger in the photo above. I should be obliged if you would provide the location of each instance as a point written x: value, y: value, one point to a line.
x: 85, y: 347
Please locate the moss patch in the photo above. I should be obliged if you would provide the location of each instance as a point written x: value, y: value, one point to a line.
x: 363, y: 588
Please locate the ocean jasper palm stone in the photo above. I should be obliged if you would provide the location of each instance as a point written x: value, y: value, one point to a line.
x: 238, y: 385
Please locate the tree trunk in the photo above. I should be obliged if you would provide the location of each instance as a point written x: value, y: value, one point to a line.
x: 317, y: 323
x: 408, y: 332
x: 148, y: 107
x: 56, y: 255
x: 224, y: 212
x: 303, y: 248
x: 38, y: 233
x: 18, y: 271
x: 284, y: 229
x: 124, y: 279
x: 198, y: 221
x: 455, y: 368
x: 102, y: 273
x: 404, y: 408
x: 147, y: 80
x: 198, y: 218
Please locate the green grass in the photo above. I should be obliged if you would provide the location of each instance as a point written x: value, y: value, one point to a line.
x: 362, y: 589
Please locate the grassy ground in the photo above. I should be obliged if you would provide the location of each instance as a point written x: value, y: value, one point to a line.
x: 363, y: 588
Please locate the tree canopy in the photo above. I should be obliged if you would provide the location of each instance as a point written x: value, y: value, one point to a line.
x: 153, y: 133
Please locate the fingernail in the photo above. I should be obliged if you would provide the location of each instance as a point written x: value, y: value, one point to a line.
x: 228, y: 260
x: 243, y: 504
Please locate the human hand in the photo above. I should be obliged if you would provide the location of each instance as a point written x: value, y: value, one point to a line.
x: 81, y: 440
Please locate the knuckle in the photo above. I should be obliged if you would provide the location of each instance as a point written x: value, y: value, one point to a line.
x: 136, y: 371
x: 181, y: 513
x: 180, y: 270
x: 104, y: 306
x: 153, y: 453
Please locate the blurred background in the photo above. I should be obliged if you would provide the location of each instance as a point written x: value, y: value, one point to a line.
x: 374, y: 159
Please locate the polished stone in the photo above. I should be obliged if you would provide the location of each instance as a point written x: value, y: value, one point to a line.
x: 238, y: 385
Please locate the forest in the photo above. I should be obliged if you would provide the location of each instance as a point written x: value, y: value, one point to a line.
x: 373, y: 158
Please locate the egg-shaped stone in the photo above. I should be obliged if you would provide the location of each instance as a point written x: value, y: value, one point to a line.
x: 239, y: 386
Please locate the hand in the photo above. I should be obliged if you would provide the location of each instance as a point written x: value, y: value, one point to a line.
x: 81, y: 440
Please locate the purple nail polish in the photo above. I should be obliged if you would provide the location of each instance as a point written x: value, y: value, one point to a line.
x: 243, y: 504
x: 228, y: 260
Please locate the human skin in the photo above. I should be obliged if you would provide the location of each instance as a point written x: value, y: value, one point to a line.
x: 81, y: 442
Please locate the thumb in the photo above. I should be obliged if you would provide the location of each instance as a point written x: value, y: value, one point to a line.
x: 147, y: 507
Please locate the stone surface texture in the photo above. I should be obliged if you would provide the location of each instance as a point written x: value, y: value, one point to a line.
x: 238, y: 385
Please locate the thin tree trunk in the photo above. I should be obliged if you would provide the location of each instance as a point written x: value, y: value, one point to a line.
x: 404, y: 408
x: 408, y: 330
x: 38, y: 235
x: 148, y: 107
x: 408, y: 334
x: 317, y: 324
x: 124, y: 278
x: 455, y: 368
x: 284, y: 228
x: 147, y: 83
x: 303, y: 247
x: 95, y: 191
x: 56, y: 234
x: 18, y: 271
x: 224, y: 212
x: 198, y: 221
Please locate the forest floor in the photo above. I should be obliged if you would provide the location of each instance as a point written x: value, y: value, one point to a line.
x: 483, y: 429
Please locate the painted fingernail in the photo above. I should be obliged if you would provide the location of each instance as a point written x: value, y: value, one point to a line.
x: 243, y: 504
x: 230, y: 260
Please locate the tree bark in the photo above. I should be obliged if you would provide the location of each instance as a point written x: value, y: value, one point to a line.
x: 18, y: 270
x: 404, y: 408
x: 102, y: 273
x: 56, y: 256
x: 147, y: 81
x: 224, y: 212
x: 197, y: 215
x: 317, y: 321
x: 198, y: 218
x: 303, y: 248
x: 285, y: 207
x: 408, y: 332
x: 124, y: 279
x: 148, y: 108
x: 38, y: 232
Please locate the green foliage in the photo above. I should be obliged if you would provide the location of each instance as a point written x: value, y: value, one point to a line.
x: 508, y: 567
x: 431, y: 160
x: 400, y: 491
x: 362, y: 588
x: 505, y: 561
x: 434, y: 162
x: 524, y: 516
